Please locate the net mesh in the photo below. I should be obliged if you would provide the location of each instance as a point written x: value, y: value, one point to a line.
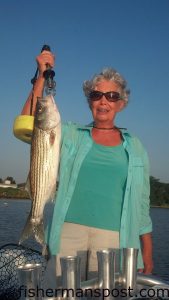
x: 12, y: 256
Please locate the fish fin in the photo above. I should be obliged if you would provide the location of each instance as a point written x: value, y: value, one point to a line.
x: 50, y: 194
x: 52, y: 138
x: 33, y: 229
x: 27, y: 231
x: 28, y: 186
x: 53, y: 193
x: 45, y: 252
x: 39, y: 232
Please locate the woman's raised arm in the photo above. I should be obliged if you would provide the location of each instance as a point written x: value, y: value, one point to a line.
x: 43, y: 59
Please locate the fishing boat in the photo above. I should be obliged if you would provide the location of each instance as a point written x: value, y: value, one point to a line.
x: 20, y: 266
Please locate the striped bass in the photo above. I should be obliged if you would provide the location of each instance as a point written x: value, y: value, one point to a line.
x: 44, y: 163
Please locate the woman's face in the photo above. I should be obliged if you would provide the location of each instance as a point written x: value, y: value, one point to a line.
x: 104, y: 111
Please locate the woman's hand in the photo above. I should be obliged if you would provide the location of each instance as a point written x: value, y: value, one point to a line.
x: 147, y: 254
x: 43, y: 59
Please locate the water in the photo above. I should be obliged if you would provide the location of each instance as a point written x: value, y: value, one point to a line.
x: 13, y: 215
x: 160, y: 218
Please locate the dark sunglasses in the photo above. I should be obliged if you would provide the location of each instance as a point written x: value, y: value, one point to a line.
x: 110, y: 96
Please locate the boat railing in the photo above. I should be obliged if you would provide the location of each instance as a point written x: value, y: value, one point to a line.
x: 110, y: 283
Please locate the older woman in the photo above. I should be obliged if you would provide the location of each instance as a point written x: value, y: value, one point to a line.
x: 103, y: 194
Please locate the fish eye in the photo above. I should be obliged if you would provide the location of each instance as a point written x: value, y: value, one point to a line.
x: 40, y: 108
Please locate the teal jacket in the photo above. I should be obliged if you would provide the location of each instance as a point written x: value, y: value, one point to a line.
x: 135, y: 219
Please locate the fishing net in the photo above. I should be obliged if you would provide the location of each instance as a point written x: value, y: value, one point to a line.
x: 12, y: 256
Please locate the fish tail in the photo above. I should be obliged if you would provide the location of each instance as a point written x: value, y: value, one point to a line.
x: 39, y: 232
x: 33, y: 229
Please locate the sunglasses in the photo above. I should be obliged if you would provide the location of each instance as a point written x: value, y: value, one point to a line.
x: 110, y: 96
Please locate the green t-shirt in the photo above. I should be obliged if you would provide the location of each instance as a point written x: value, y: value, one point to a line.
x: 98, y: 196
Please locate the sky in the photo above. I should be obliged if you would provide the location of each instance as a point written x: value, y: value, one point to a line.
x: 86, y: 36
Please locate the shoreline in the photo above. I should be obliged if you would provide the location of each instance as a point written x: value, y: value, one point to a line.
x: 14, y: 198
x: 19, y: 194
x: 13, y: 193
x: 157, y: 206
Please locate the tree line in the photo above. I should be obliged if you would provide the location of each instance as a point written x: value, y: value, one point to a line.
x: 159, y: 192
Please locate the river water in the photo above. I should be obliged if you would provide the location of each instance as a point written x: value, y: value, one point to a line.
x: 13, y: 215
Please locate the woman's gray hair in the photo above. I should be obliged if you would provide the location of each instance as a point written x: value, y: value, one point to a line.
x: 110, y: 75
